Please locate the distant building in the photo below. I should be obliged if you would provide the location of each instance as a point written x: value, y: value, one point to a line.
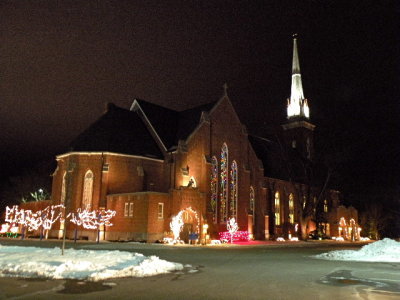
x: 150, y: 163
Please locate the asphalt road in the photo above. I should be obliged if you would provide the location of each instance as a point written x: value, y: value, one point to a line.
x: 271, y: 271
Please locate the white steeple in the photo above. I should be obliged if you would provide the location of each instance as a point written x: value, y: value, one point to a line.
x: 297, y: 104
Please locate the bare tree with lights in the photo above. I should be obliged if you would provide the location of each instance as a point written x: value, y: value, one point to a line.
x: 232, y: 227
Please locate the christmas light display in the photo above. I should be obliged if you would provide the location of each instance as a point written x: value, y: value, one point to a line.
x: 176, y: 223
x: 91, y: 219
x: 234, y: 190
x: 176, y: 226
x: 232, y: 227
x: 44, y: 219
x: 34, y: 220
x: 4, y: 228
x: 224, y: 183
x: 214, y: 188
x: 238, y: 236
x: 14, y: 215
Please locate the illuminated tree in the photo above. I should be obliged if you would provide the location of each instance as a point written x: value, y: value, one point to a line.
x: 176, y: 226
x: 232, y: 227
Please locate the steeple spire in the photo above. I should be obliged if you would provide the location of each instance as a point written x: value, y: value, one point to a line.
x: 297, y: 104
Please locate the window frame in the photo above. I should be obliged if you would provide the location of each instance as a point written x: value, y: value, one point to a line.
x: 277, y: 208
x: 160, y: 214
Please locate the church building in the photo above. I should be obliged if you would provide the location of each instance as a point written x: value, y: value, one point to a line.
x: 150, y: 163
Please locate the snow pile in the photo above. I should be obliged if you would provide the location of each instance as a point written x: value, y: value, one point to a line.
x: 386, y: 250
x: 79, y: 264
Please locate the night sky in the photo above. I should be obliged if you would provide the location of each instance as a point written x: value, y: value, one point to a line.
x: 62, y: 61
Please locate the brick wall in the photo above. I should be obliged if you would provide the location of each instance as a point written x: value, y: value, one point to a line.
x: 143, y: 224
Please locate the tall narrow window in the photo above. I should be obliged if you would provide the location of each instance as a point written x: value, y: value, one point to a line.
x: 314, y: 204
x: 63, y: 189
x: 126, y: 209
x: 160, y: 212
x: 224, y: 183
x: 252, y: 204
x: 277, y: 209
x: 291, y: 208
x: 131, y: 209
x: 234, y: 190
x: 87, y: 190
x: 214, y: 188
x: 325, y: 205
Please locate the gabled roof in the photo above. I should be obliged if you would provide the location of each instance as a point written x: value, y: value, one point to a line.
x: 119, y: 131
x: 189, y: 119
x: 162, y: 119
x: 170, y: 125
x: 136, y: 131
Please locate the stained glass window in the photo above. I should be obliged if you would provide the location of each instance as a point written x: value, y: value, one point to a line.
x: 224, y: 183
x: 251, y: 200
x: 234, y: 190
x: 291, y: 208
x: 87, y: 190
x: 214, y: 188
x: 277, y: 209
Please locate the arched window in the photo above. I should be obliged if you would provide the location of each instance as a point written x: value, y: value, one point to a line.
x: 224, y: 183
x: 234, y: 190
x: 277, y: 209
x: 291, y: 208
x: 87, y: 190
x: 252, y: 204
x: 214, y: 188
x: 63, y: 189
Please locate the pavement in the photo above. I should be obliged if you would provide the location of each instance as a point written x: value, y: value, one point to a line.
x: 258, y: 270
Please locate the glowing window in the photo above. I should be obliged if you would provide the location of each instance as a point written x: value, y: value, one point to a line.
x: 214, y: 188
x: 87, y: 190
x: 315, y: 204
x: 126, y: 209
x: 277, y: 209
x: 252, y: 204
x: 291, y: 208
x: 234, y: 190
x: 131, y: 209
x: 63, y: 188
x: 325, y: 205
x: 160, y: 211
x: 224, y: 183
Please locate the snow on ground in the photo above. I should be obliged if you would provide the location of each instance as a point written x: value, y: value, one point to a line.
x: 79, y: 264
x: 386, y: 250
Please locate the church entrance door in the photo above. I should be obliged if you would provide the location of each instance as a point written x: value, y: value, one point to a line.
x: 190, y: 225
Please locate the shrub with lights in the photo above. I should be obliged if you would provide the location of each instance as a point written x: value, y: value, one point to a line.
x: 233, y: 234
x: 44, y: 219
